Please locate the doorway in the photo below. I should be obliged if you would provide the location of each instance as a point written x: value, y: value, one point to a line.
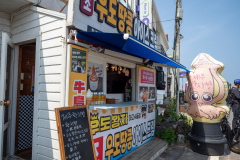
x: 25, y: 101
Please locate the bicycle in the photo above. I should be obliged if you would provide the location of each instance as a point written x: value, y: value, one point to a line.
x: 232, y: 135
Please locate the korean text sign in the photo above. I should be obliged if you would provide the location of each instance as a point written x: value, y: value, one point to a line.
x: 145, y: 12
x: 117, y: 132
x: 146, y: 84
x: 77, y: 76
x: 112, y: 16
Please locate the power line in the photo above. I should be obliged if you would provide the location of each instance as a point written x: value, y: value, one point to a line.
x: 168, y: 20
x: 163, y: 21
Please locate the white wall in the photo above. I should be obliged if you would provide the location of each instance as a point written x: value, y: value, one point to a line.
x: 47, y: 28
x: 4, y: 26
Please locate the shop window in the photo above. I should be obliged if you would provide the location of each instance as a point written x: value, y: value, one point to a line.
x: 118, y: 77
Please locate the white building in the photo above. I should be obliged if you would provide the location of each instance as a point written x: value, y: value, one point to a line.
x: 35, y: 41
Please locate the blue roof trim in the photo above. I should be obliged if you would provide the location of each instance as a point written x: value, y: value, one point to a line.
x: 130, y: 46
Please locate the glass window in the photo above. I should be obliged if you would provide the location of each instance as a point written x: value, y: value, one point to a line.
x: 118, y: 78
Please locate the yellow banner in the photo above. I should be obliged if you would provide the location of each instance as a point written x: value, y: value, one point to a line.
x: 77, y: 76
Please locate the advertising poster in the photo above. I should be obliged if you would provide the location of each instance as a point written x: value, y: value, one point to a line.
x: 95, y: 77
x: 146, y: 84
x: 77, y: 76
x: 119, y: 131
x: 145, y: 12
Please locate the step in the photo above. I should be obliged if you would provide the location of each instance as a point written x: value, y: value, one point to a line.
x: 149, y: 151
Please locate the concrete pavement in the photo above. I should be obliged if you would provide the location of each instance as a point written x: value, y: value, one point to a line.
x: 148, y: 151
x: 182, y: 152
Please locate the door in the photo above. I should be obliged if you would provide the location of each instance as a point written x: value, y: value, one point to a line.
x: 5, y: 92
x: 25, y: 100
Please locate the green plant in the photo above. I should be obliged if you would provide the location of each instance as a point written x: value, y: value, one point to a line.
x: 172, y: 110
x: 161, y: 118
x: 182, y: 116
x: 188, y: 122
x: 168, y: 135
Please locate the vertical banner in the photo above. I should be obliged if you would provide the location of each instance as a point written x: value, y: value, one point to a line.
x: 145, y: 12
x: 146, y: 84
x: 77, y: 76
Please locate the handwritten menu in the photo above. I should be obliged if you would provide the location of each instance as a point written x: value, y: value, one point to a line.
x: 74, y: 133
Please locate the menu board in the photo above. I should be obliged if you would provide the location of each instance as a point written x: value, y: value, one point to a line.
x: 74, y: 133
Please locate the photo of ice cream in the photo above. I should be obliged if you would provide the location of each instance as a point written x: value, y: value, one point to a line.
x: 93, y: 79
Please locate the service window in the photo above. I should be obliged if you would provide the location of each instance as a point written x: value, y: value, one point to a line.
x: 118, y: 78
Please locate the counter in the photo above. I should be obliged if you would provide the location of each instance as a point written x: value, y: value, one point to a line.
x: 117, y: 105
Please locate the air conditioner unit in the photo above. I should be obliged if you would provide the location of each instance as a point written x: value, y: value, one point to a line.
x: 180, y: 13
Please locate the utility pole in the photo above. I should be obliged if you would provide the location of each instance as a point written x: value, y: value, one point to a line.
x: 176, y: 49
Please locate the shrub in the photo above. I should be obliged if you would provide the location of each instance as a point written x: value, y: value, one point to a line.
x: 161, y: 119
x: 172, y: 110
x: 182, y: 116
x: 168, y: 135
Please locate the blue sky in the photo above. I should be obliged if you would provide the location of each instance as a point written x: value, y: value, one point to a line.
x: 208, y: 26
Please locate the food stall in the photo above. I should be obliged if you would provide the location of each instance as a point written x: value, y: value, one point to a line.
x: 120, y: 121
x: 115, y: 80
x: 97, y: 53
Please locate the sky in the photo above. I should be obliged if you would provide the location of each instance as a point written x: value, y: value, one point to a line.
x: 208, y: 26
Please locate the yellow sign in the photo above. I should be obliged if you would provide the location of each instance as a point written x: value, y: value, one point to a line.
x: 77, y: 76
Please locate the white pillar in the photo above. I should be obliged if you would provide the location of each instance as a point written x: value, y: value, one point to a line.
x: 172, y: 83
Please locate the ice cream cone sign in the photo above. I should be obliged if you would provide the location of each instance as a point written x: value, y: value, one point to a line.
x: 207, y: 89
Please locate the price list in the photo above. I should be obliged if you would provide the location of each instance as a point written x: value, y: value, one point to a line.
x: 76, y: 135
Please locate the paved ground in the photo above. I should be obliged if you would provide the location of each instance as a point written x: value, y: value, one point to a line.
x: 148, y: 151
x: 182, y: 152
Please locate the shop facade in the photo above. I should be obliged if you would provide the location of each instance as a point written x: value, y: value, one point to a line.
x: 40, y: 51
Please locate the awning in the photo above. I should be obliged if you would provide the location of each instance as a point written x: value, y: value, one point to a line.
x: 127, y: 44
